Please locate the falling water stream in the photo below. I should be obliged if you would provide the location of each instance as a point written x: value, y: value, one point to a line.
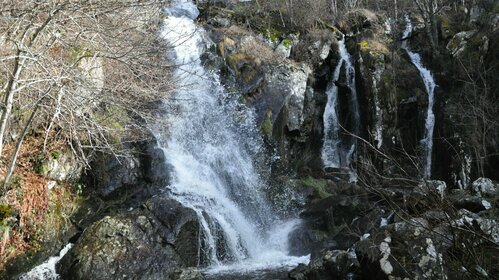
x: 429, y: 83
x: 212, y: 146
x: 336, y: 151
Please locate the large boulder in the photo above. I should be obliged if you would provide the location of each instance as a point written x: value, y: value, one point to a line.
x: 146, y: 243
x: 484, y: 187
x: 285, y: 86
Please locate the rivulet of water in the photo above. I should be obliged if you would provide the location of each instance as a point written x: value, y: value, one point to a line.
x: 429, y: 83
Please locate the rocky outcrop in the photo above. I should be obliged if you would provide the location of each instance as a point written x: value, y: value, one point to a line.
x: 61, y: 166
x: 352, y: 235
x: 111, y: 176
x: 150, y: 242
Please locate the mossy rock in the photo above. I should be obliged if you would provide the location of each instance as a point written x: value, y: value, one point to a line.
x: 319, y: 185
x: 77, y: 52
x: 273, y: 35
x: 236, y: 60
x: 5, y: 212
x: 267, y: 126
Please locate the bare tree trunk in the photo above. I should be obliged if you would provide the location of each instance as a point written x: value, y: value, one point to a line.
x: 13, y: 161
x: 334, y: 7
x: 9, y: 99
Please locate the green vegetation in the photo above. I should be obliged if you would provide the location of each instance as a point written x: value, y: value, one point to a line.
x: 364, y: 45
x: 267, y: 124
x: 79, y: 52
x: 55, y: 154
x: 273, y: 35
x: 39, y: 164
x: 288, y: 43
x: 319, y: 185
x: 5, y: 212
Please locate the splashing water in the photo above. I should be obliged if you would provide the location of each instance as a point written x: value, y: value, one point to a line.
x: 429, y: 83
x: 211, y: 146
x: 46, y: 271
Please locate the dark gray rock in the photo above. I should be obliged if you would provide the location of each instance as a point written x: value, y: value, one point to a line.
x: 146, y: 243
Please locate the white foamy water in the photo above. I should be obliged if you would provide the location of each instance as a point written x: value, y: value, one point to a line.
x: 429, y: 83
x: 335, y: 152
x: 211, y: 146
x: 46, y: 271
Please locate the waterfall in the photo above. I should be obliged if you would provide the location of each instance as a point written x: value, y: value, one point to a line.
x: 338, y: 151
x: 46, y: 270
x: 212, y: 145
x: 429, y: 83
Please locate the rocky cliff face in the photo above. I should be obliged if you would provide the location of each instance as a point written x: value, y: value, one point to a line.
x: 284, y: 77
x: 388, y: 225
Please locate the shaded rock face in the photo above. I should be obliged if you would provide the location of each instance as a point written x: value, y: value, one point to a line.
x: 110, y: 176
x: 146, y: 243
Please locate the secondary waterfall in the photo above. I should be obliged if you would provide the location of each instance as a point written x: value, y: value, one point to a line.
x: 429, y: 83
x: 46, y: 270
x: 337, y: 151
x: 212, y: 145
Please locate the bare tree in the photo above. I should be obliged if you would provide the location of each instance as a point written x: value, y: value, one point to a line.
x: 88, y: 70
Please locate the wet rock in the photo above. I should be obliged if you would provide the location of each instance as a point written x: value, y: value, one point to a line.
x: 146, y: 243
x: 188, y: 274
x: 336, y: 264
x: 484, y: 187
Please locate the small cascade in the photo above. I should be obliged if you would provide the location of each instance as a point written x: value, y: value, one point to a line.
x: 212, y: 145
x: 429, y: 83
x: 338, y: 150
x: 46, y: 270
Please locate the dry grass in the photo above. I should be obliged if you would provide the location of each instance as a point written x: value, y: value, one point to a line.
x: 35, y: 209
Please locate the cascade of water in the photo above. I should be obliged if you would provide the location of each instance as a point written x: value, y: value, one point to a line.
x: 335, y: 153
x: 211, y: 146
x: 429, y: 83
x: 46, y: 270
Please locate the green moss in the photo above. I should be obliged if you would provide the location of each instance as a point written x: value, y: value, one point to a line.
x: 329, y: 26
x: 273, y: 35
x: 5, y: 212
x: 40, y: 167
x: 364, y: 45
x: 445, y: 22
x: 496, y: 8
x: 288, y: 43
x: 454, y: 43
x: 267, y: 124
x: 78, y: 52
x: 317, y: 184
x: 14, y: 183
x: 163, y: 16
x: 113, y: 117
x: 55, y: 154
